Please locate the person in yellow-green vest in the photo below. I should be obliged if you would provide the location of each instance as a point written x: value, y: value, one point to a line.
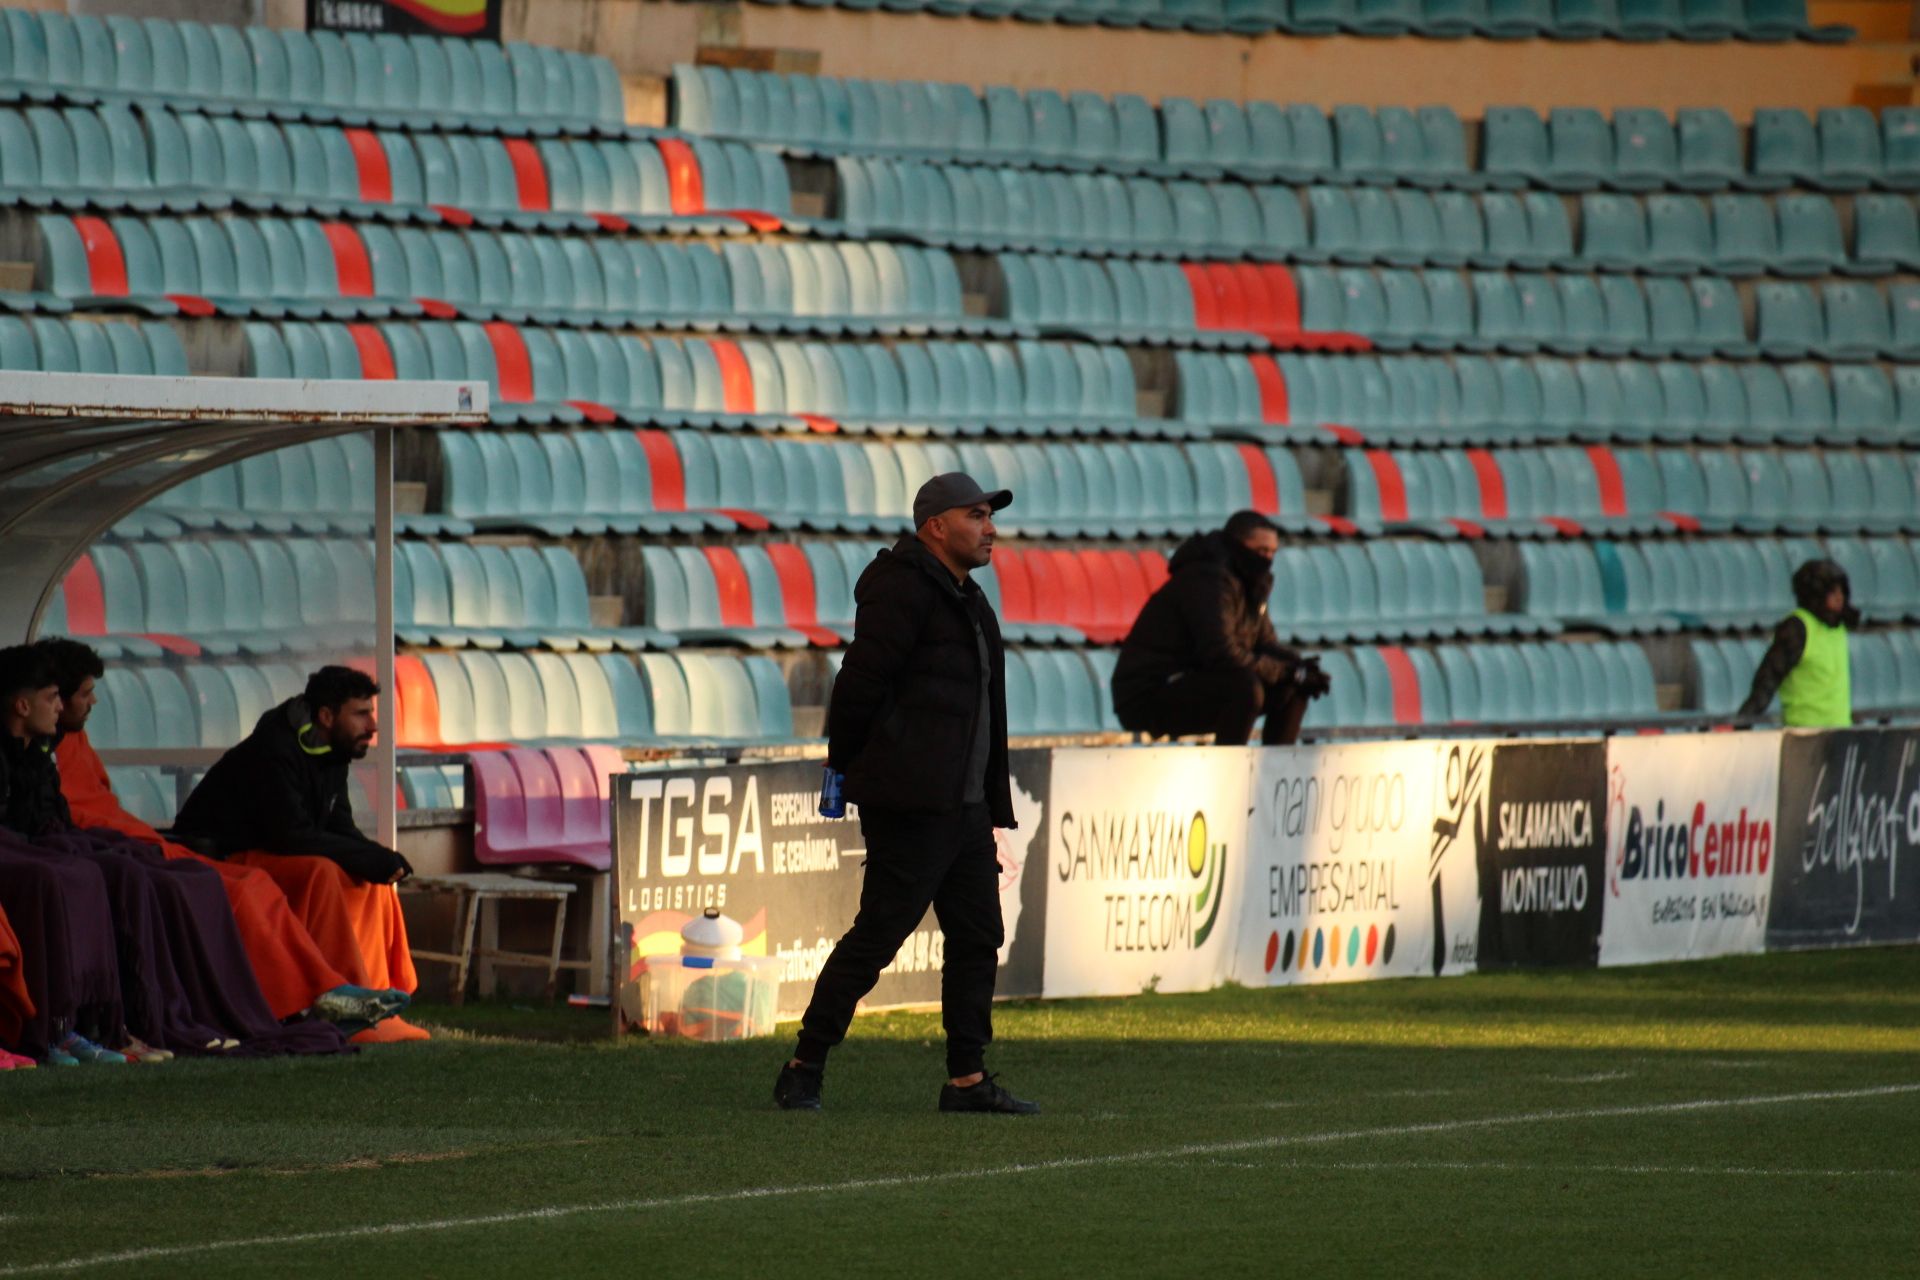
x: 1807, y: 662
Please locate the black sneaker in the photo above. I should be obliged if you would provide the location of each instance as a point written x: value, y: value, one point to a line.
x: 798, y: 1088
x: 986, y: 1096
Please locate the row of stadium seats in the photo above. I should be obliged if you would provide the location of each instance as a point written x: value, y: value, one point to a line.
x: 657, y: 481
x: 568, y: 376
x: 320, y: 487
x: 474, y: 699
x: 58, y: 344
x: 1531, y: 681
x: 1884, y: 670
x: 1630, y: 20
x: 218, y: 596
x: 1712, y: 584
x: 599, y: 481
x: 1059, y: 389
x: 1660, y: 315
x: 299, y: 266
x: 454, y: 699
x: 1512, y: 399
x: 969, y: 206
x: 1797, y: 234
x: 1028, y: 388
x: 788, y: 595
x: 150, y: 156
x: 1564, y: 490
x: 320, y: 75
x: 469, y: 697
x: 1574, y: 148
x: 311, y: 267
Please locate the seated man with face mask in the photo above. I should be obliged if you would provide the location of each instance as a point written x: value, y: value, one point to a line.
x: 1202, y: 657
x: 278, y: 802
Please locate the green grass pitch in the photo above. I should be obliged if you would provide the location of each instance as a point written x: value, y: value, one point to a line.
x: 1756, y: 1116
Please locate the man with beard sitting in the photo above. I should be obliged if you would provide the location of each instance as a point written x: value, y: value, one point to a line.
x: 278, y: 801
x: 1202, y: 657
x: 294, y: 973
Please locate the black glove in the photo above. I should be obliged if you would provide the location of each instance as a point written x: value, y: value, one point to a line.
x: 1310, y: 679
x: 373, y: 864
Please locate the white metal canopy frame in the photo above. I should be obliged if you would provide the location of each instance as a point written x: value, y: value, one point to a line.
x: 80, y: 452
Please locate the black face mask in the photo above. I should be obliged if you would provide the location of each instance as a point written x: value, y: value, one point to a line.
x: 1254, y: 570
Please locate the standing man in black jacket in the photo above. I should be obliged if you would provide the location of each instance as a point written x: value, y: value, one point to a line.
x: 918, y: 724
x: 1202, y: 657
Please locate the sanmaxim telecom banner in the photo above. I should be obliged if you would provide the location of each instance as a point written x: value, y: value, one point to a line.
x: 476, y: 18
x: 1690, y: 845
x: 1146, y: 863
x: 1360, y: 863
x: 1849, y: 818
x: 749, y: 841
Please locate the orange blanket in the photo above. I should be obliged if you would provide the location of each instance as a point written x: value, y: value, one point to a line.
x: 16, y: 1006
x: 307, y: 925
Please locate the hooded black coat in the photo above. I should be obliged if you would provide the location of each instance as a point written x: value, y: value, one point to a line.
x: 274, y: 794
x: 1205, y: 617
x: 30, y: 801
x: 906, y: 704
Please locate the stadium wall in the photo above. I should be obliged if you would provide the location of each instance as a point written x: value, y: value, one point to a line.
x: 645, y: 38
x: 1181, y: 868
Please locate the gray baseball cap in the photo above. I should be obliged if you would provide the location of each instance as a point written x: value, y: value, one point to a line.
x: 954, y: 489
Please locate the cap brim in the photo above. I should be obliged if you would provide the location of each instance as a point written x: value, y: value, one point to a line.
x: 999, y: 499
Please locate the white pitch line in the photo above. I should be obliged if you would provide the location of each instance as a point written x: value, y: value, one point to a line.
x: 1508, y: 1166
x: 552, y: 1212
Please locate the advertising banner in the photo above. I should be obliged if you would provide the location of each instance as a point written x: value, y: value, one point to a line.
x: 1352, y: 863
x: 1849, y: 815
x: 748, y: 840
x: 1145, y: 868
x: 1538, y: 852
x: 477, y: 18
x: 1690, y: 845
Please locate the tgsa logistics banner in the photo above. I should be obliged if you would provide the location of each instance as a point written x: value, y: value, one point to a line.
x: 1849, y: 816
x: 1146, y: 866
x: 1690, y: 845
x: 1360, y: 862
x: 749, y: 841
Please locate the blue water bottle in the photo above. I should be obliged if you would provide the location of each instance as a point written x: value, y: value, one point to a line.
x: 833, y: 804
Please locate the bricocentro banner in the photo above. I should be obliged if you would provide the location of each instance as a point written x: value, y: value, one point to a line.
x: 1690, y: 845
x: 1849, y: 815
x: 749, y: 841
x: 1360, y: 862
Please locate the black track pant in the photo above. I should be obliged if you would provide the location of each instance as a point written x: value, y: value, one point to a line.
x: 915, y: 860
x: 1224, y: 703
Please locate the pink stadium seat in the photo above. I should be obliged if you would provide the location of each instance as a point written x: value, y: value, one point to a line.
x: 521, y: 808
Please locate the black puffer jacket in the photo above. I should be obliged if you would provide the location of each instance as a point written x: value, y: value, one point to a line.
x: 904, y: 709
x: 1203, y: 618
x: 30, y: 799
x: 274, y: 794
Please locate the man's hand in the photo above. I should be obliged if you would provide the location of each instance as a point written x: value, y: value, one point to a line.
x: 1310, y: 678
x: 403, y: 871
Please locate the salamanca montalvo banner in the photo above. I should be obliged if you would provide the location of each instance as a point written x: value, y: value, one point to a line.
x: 1146, y: 862
x: 1690, y: 846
